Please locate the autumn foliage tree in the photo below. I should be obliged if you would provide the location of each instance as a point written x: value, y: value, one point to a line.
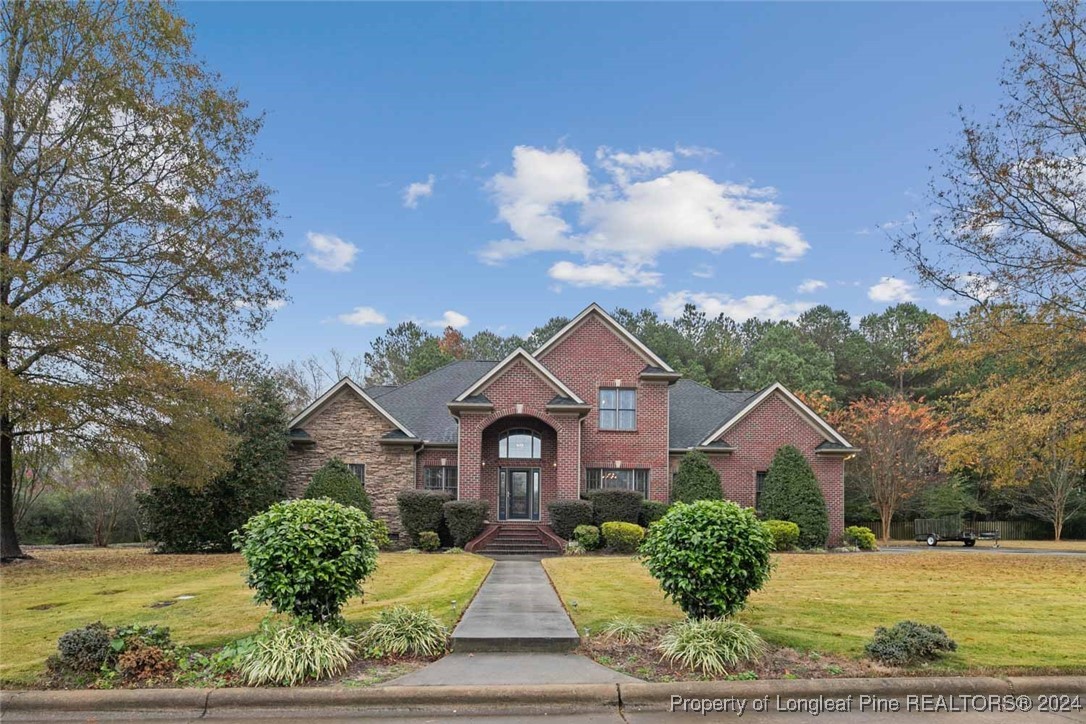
x: 897, y: 439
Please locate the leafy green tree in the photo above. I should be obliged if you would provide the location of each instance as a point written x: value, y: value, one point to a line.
x: 544, y: 332
x: 428, y: 357
x: 895, y: 336
x: 336, y: 481
x: 781, y: 354
x: 183, y: 518
x: 391, y: 355
x: 696, y: 480
x: 792, y: 493
x: 488, y: 345
x: 134, y: 234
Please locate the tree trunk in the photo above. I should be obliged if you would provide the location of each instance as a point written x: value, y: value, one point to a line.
x: 9, y: 541
x: 887, y: 515
x: 1057, y: 525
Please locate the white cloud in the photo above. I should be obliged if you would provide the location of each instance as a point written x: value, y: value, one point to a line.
x: 808, y: 286
x: 702, y: 152
x: 978, y: 286
x: 272, y: 304
x: 762, y: 306
x: 946, y: 301
x: 608, y: 275
x: 329, y: 252
x: 456, y: 320
x: 703, y: 271
x: 891, y: 289
x: 551, y: 203
x: 418, y: 190
x: 361, y: 316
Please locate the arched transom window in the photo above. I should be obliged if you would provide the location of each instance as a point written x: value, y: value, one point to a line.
x: 520, y: 444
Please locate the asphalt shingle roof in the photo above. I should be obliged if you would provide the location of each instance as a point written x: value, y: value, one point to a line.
x: 696, y: 410
x: 421, y: 405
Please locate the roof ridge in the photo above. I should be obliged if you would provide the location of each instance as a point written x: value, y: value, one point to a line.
x: 435, y: 371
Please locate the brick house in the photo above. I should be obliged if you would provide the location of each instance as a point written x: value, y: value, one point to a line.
x: 593, y: 407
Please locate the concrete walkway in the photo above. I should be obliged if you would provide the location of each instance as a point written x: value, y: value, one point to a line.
x: 507, y: 669
x: 515, y: 610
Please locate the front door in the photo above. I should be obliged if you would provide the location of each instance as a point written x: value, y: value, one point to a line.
x: 519, y: 494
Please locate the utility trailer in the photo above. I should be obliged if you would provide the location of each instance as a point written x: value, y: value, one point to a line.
x: 949, y: 528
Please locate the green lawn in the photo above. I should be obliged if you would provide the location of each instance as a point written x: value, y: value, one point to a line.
x: 64, y: 589
x: 1006, y: 612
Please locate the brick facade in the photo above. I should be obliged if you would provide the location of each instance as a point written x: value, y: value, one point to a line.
x: 348, y: 428
x: 590, y: 357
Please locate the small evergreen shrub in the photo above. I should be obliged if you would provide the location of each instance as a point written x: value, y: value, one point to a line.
x: 696, y: 480
x: 429, y: 541
x: 566, y: 515
x: 335, y: 481
x: 651, y: 511
x: 86, y: 649
x: 287, y: 653
x: 307, y: 557
x: 465, y: 519
x: 708, y: 556
x: 573, y: 548
x: 711, y: 645
x: 421, y: 510
x: 792, y: 493
x: 401, y: 630
x: 622, y: 537
x: 861, y: 537
x: 588, y: 536
x: 608, y: 506
x: 785, y: 534
x: 908, y: 642
x: 379, y: 531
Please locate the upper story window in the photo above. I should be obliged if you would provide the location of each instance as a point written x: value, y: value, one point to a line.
x: 520, y: 444
x: 360, y: 471
x: 618, y: 409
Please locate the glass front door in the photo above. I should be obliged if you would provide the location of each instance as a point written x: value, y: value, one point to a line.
x: 519, y: 494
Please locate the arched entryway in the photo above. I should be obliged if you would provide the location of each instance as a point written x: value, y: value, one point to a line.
x: 519, y: 468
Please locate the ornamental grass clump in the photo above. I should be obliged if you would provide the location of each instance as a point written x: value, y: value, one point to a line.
x: 287, y: 653
x: 711, y: 645
x: 401, y: 630
x: 624, y: 630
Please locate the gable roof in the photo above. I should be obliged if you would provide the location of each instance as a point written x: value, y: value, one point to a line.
x: 695, y: 409
x: 621, y: 332
x: 793, y: 401
x: 422, y: 403
x: 520, y: 354
x: 347, y: 382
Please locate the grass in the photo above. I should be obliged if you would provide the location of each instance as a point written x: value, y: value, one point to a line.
x: 64, y: 589
x: 1007, y: 612
x: 1029, y: 545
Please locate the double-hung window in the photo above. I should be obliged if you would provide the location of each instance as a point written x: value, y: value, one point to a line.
x: 759, y: 486
x: 359, y: 471
x: 440, y: 477
x: 621, y: 479
x: 618, y: 408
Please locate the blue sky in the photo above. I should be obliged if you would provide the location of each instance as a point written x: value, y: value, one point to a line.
x: 634, y: 155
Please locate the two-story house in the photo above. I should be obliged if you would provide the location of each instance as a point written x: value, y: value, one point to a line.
x: 593, y: 407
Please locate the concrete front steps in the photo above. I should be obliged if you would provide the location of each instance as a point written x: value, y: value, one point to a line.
x: 516, y: 539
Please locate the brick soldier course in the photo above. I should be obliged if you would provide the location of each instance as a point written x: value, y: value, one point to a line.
x: 454, y: 417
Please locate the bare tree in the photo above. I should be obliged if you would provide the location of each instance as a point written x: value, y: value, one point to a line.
x: 35, y: 467
x: 1058, y: 493
x: 307, y: 379
x: 1010, y: 202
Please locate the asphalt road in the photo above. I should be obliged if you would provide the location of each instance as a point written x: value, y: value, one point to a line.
x: 976, y: 550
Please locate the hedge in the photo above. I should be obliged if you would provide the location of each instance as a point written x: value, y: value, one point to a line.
x: 651, y: 511
x: 622, y: 537
x: 421, y: 510
x: 566, y: 515
x: 465, y: 519
x: 623, y: 506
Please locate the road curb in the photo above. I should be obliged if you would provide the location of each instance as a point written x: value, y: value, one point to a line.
x: 641, y: 697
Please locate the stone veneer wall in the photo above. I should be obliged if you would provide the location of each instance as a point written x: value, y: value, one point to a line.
x: 348, y: 428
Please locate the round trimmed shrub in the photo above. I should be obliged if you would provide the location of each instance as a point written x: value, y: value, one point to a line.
x: 792, y: 493
x: 429, y: 541
x: 588, y: 536
x: 335, y: 481
x: 651, y: 511
x: 465, y: 519
x: 307, y: 557
x: 86, y: 648
x: 696, y: 480
x: 861, y: 537
x: 622, y: 537
x: 785, y: 534
x: 623, y: 506
x: 708, y: 556
x: 422, y: 510
x: 566, y: 515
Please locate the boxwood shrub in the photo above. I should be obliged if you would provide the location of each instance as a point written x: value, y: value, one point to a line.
x: 785, y: 534
x: 588, y: 536
x: 335, y: 481
x: 651, y: 511
x: 566, y: 515
x: 465, y: 519
x: 622, y: 537
x: 861, y: 537
x: 623, y: 506
x: 421, y: 510
x: 429, y: 541
x: 708, y: 556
